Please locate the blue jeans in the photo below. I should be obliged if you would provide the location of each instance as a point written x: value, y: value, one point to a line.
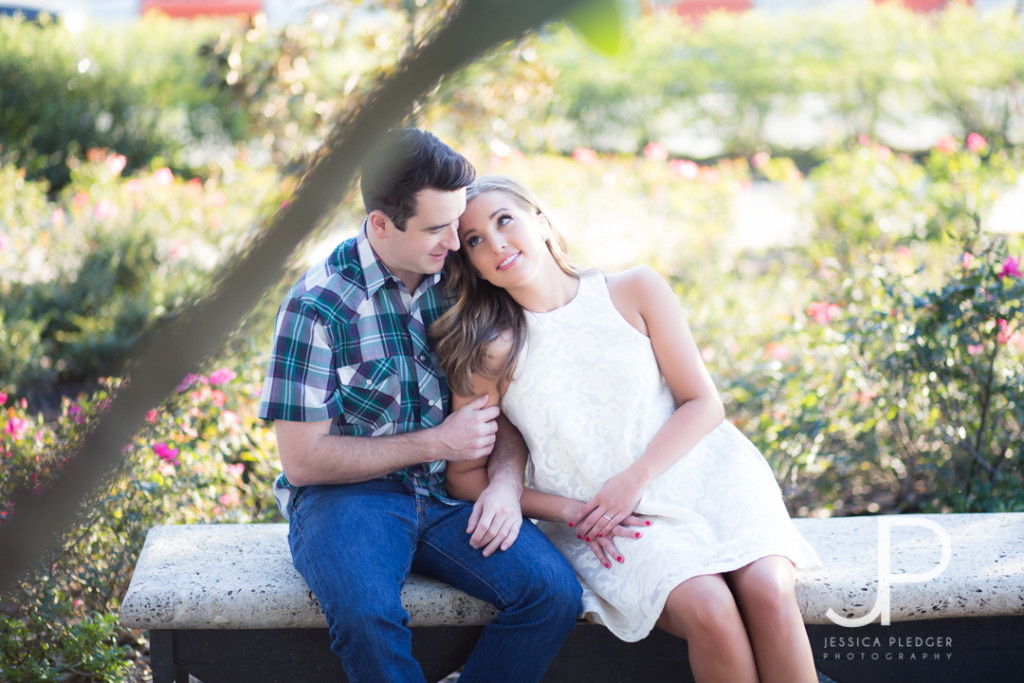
x: 356, y: 544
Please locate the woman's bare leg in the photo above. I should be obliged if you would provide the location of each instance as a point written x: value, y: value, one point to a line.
x: 702, y: 610
x: 766, y: 597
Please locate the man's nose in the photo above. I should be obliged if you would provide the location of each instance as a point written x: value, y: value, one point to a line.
x: 450, y: 240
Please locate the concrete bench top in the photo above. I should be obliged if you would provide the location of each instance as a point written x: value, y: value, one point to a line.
x: 240, y: 576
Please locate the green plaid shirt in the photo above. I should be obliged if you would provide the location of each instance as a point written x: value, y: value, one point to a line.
x: 350, y: 345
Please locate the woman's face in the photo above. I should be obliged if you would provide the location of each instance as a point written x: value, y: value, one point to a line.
x: 503, y: 241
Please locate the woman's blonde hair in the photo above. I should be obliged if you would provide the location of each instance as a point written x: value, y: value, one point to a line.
x: 481, y: 312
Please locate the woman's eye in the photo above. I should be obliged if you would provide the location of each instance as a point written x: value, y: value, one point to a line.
x: 503, y: 219
x: 473, y: 241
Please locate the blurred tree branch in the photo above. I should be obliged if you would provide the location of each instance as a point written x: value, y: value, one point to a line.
x: 165, y: 356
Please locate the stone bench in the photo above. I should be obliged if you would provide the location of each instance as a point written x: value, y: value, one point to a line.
x: 222, y: 603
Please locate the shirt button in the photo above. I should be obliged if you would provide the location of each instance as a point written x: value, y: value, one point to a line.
x: 423, y: 358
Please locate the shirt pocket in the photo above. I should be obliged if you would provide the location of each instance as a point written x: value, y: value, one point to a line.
x: 371, y: 394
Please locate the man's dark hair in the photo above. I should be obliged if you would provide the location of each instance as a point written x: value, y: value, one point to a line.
x: 405, y: 161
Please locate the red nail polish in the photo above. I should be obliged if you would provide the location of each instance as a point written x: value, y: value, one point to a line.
x: 607, y: 565
x: 579, y: 537
x: 588, y: 539
x: 619, y: 558
x: 638, y: 534
x: 600, y: 535
x: 648, y: 523
x: 570, y: 524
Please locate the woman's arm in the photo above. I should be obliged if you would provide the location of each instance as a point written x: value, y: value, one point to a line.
x: 469, y: 479
x: 648, y: 303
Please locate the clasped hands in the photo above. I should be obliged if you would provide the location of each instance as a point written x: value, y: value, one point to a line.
x: 496, y: 518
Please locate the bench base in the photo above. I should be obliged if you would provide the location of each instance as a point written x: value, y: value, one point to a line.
x: 933, y: 651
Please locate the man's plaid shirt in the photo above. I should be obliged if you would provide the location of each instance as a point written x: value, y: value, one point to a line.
x: 350, y: 345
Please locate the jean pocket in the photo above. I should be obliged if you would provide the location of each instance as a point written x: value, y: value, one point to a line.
x: 370, y: 393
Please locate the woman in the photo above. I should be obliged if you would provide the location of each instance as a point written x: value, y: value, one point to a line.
x: 604, y: 381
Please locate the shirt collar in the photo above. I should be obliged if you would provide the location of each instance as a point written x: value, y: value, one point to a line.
x: 375, y: 273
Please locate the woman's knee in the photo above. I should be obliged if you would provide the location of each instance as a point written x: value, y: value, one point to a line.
x: 767, y: 586
x: 705, y: 608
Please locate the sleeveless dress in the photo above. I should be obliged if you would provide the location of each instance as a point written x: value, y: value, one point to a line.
x: 588, y: 396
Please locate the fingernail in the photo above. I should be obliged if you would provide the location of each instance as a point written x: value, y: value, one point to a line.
x: 638, y: 534
x: 619, y: 558
x: 607, y: 565
x: 588, y: 539
x: 600, y: 535
x: 570, y: 524
x: 648, y: 522
x: 579, y: 537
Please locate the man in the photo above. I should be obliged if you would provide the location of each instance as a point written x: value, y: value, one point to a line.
x: 360, y: 406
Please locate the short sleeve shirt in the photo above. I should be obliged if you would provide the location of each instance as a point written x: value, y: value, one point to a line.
x: 350, y: 345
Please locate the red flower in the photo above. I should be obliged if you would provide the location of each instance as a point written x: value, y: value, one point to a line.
x: 976, y: 143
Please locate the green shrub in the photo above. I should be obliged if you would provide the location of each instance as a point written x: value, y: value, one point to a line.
x: 204, y: 456
x: 86, y: 275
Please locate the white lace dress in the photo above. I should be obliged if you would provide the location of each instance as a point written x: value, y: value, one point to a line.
x: 588, y: 397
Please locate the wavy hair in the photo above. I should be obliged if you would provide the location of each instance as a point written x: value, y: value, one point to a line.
x: 480, y: 312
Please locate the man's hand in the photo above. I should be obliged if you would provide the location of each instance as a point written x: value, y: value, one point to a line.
x: 496, y: 518
x: 468, y: 433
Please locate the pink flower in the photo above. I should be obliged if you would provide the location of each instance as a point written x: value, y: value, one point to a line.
x: 884, y: 153
x: 760, y: 160
x: 187, y: 381
x: 822, y: 311
x: 946, y: 144
x: 864, y: 140
x: 81, y: 200
x: 75, y: 413
x: 776, y: 351
x: 222, y: 376
x: 3, y: 398
x: 151, y: 416
x: 656, y: 151
x: 237, y: 469
x: 1005, y: 331
x: 975, y: 349
x: 116, y: 163
x: 686, y: 168
x: 105, y: 209
x: 16, y: 427
x: 1011, y: 268
x: 228, y: 499
x: 966, y: 260
x: 57, y: 216
x: 218, y: 398
x: 976, y: 143
x: 166, y: 453
x: 584, y: 155
x: 163, y: 177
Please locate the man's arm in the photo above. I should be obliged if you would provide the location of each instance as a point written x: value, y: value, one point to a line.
x: 310, y: 454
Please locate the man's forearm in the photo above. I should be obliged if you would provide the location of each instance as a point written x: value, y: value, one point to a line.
x: 336, y: 459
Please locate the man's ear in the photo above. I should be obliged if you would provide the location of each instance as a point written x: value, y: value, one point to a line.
x: 379, y: 223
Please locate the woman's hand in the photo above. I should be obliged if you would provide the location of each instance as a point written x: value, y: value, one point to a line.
x: 602, y: 544
x: 612, y: 508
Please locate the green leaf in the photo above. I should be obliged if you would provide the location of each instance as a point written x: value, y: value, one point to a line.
x: 601, y: 24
